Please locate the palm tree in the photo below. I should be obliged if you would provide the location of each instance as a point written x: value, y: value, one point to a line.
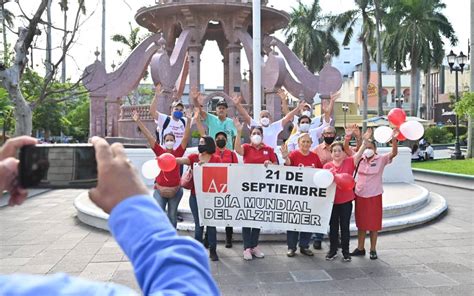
x: 64, y: 8
x: 347, y: 21
x: 421, y: 26
x: 132, y: 41
x: 378, y: 24
x: 309, y: 35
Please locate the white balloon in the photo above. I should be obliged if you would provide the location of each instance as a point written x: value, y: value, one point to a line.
x: 412, y: 130
x: 323, y: 178
x: 383, y: 134
x: 150, y: 169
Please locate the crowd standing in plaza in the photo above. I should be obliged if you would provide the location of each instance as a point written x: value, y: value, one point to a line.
x: 312, y: 144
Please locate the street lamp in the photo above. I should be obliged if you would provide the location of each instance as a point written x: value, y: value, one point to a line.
x: 345, y: 108
x: 456, y: 64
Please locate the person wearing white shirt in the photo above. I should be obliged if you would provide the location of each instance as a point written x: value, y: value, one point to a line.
x: 166, y: 124
x: 429, y: 151
x: 271, y: 130
x: 304, y: 124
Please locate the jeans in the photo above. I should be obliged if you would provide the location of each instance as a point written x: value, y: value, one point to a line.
x: 172, y: 205
x: 292, y: 239
x: 198, y: 229
x: 318, y: 237
x: 250, y: 237
x: 340, y: 217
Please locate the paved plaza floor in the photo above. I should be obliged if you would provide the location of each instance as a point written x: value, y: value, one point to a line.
x: 44, y: 236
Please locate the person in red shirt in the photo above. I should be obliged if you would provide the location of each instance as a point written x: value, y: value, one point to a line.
x: 300, y: 157
x: 227, y: 156
x: 255, y: 152
x: 342, y: 208
x: 207, y: 150
x: 167, y: 184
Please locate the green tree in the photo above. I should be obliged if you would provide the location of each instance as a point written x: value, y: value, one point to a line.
x: 465, y: 107
x: 131, y: 41
x: 349, y: 21
x: 419, y: 28
x: 6, y: 114
x: 7, y: 21
x: 309, y: 35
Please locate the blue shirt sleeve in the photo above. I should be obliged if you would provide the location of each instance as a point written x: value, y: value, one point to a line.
x: 57, y: 284
x: 164, y: 262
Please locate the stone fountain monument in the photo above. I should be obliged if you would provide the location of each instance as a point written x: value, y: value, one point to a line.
x: 180, y: 30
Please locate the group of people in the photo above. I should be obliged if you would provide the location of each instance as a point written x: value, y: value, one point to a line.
x: 221, y: 143
x: 422, y: 151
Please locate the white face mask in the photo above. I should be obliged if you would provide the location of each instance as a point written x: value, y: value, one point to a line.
x: 369, y: 153
x: 306, y: 113
x: 304, y: 127
x: 256, y: 139
x: 265, y: 121
x: 169, y: 144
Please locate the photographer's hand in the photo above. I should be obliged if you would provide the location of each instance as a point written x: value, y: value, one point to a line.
x: 117, y: 178
x: 9, y: 169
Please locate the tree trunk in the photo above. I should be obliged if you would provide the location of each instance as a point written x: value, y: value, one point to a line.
x: 23, y: 114
x: 428, y: 95
x: 365, y: 82
x: 379, y: 58
x: 398, y: 86
x: 47, y: 61
x: 413, y: 88
x: 4, y: 33
x: 470, y: 134
x: 63, y: 66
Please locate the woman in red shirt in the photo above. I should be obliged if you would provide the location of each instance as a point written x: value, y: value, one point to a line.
x: 342, y: 208
x: 207, y: 149
x: 227, y: 156
x: 167, y: 184
x: 256, y: 152
x: 306, y: 158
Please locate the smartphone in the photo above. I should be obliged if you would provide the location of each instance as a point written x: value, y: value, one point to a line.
x: 237, y: 89
x: 57, y: 166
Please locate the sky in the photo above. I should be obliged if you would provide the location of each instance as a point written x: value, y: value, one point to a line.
x: 121, y: 12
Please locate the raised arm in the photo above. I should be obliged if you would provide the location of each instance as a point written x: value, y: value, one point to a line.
x: 154, y: 103
x: 148, y: 135
x: 237, y: 144
x: 394, y: 151
x: 328, y: 109
x: 183, y: 160
x: 284, y: 101
x: 347, y: 138
x: 284, y: 154
x: 187, y: 129
x: 195, y: 95
x: 198, y: 121
x: 290, y: 115
x: 357, y: 135
x: 245, y: 115
x: 367, y: 137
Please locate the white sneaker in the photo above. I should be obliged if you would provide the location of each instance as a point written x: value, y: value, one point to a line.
x: 257, y: 253
x: 248, y: 254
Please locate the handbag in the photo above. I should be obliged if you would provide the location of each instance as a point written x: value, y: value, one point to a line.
x: 187, y: 181
x: 167, y: 192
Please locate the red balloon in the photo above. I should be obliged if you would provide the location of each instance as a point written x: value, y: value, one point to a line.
x: 344, y: 181
x: 401, y: 137
x: 167, y: 162
x: 397, y: 116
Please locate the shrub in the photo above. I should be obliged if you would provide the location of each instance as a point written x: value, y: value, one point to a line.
x: 452, y: 129
x: 437, y: 135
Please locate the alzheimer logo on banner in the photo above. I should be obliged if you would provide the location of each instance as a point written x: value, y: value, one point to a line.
x: 252, y: 195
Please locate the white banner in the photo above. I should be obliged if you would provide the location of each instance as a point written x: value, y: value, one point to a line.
x: 252, y: 195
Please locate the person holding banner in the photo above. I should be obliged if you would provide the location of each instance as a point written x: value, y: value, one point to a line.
x: 227, y: 156
x: 342, y: 208
x: 255, y: 152
x: 167, y: 184
x: 306, y: 158
x: 207, y: 150
x: 368, y: 195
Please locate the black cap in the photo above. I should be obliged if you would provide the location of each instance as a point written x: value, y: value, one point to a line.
x: 221, y: 133
x: 222, y: 102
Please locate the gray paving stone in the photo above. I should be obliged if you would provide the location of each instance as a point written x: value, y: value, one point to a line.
x: 100, y: 271
x: 346, y: 273
x: 239, y: 290
x: 35, y: 269
x: 126, y: 278
x: 304, y: 276
x: 235, y: 279
x: 410, y: 292
x: 449, y: 267
x: 274, y: 277
x: 433, y: 280
x: 395, y: 282
x: 319, y: 288
x: 407, y: 270
x: 453, y: 290
x: 380, y: 271
x: 282, y: 289
x: 358, y: 285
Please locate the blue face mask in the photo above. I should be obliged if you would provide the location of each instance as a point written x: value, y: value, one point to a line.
x: 177, y: 114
